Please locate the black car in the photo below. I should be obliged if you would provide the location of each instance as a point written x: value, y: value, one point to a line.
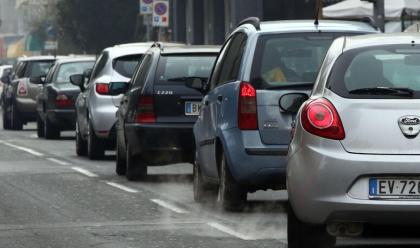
x: 55, y: 102
x: 159, y: 109
x: 19, y: 95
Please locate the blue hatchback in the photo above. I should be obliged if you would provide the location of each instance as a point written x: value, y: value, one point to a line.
x: 241, y: 135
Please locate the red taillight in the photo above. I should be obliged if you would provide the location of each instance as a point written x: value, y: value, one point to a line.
x: 145, y: 110
x: 102, y: 89
x: 63, y: 101
x: 22, y: 89
x: 320, y: 118
x: 247, y: 107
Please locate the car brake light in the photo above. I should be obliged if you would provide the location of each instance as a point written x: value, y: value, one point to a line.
x: 102, y: 89
x: 63, y: 101
x: 22, y: 89
x: 145, y: 110
x: 247, y: 107
x: 320, y: 118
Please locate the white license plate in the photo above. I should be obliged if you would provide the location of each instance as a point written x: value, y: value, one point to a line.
x: 192, y: 108
x: 394, y: 188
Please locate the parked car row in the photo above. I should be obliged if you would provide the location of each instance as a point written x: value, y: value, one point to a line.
x: 281, y: 105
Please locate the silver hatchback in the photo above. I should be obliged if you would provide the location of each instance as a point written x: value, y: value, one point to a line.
x: 355, y: 155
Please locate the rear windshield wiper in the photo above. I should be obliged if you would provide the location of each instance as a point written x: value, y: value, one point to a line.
x: 383, y: 91
x: 183, y: 79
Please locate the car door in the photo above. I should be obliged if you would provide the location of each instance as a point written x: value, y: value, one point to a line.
x: 220, y: 101
x: 42, y: 98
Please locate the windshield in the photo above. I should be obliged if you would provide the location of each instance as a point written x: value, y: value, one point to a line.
x: 288, y: 59
x: 126, y: 65
x: 176, y: 68
x: 39, y: 68
x: 69, y: 69
x: 372, y: 72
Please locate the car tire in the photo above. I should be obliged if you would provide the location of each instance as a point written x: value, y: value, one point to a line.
x: 15, y: 121
x: 136, y: 168
x: 7, y: 124
x: 300, y: 234
x: 50, y: 130
x: 81, y: 146
x: 95, y: 147
x: 40, y: 127
x: 231, y: 196
x: 120, y: 160
x: 203, y: 192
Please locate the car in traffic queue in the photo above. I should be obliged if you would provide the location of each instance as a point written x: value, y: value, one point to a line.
x: 241, y: 136
x: 160, y: 107
x: 55, y: 102
x: 95, y: 106
x: 354, y: 158
x: 19, y: 96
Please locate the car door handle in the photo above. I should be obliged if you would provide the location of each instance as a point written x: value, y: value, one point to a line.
x: 220, y: 98
x: 206, y: 102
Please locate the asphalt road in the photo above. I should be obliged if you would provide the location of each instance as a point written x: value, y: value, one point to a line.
x: 49, y: 197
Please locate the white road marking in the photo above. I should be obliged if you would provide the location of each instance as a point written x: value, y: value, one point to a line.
x: 84, y: 172
x: 169, y: 206
x: 57, y: 161
x: 28, y: 150
x: 122, y: 187
x: 229, y: 231
x: 33, y: 136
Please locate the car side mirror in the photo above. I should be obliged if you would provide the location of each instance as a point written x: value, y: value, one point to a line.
x: 197, y: 83
x: 78, y: 80
x: 118, y: 88
x: 292, y: 102
x: 37, y: 80
x: 5, y: 79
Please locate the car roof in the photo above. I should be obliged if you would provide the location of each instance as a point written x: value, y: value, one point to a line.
x: 128, y: 49
x: 40, y: 58
x: 76, y: 59
x: 361, y: 41
x: 190, y: 49
x: 293, y: 26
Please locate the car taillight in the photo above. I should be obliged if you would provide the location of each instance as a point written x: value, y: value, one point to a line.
x: 145, y: 110
x: 102, y: 89
x: 320, y: 118
x: 63, y: 101
x: 22, y: 89
x: 247, y: 107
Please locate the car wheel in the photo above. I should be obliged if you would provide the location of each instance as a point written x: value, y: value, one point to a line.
x: 15, y: 122
x: 136, y: 168
x: 50, y: 130
x: 81, y: 146
x: 95, y: 148
x: 6, y: 119
x: 203, y: 192
x: 300, y: 234
x: 231, y: 196
x: 120, y: 161
x: 39, y: 127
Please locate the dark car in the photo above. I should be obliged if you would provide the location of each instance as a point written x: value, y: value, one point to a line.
x: 55, y: 102
x: 19, y: 96
x: 158, y: 111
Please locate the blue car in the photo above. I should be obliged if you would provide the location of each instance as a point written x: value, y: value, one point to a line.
x: 242, y: 136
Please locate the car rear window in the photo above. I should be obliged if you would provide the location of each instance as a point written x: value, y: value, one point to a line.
x: 68, y: 69
x: 175, y: 68
x: 288, y: 59
x: 126, y: 65
x: 38, y: 68
x: 376, y: 67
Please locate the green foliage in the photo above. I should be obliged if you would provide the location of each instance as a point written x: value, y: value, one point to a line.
x: 93, y: 25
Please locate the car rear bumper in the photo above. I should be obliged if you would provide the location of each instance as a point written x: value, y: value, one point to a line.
x: 63, y: 118
x: 253, y: 164
x: 326, y: 184
x: 161, y: 143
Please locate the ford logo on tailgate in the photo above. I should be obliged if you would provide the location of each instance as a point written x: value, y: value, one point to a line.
x: 410, y: 126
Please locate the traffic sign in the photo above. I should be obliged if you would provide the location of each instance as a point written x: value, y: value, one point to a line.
x: 146, y: 7
x: 160, y: 13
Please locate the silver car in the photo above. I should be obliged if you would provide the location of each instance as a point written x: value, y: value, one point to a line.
x: 95, y: 106
x: 355, y: 155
